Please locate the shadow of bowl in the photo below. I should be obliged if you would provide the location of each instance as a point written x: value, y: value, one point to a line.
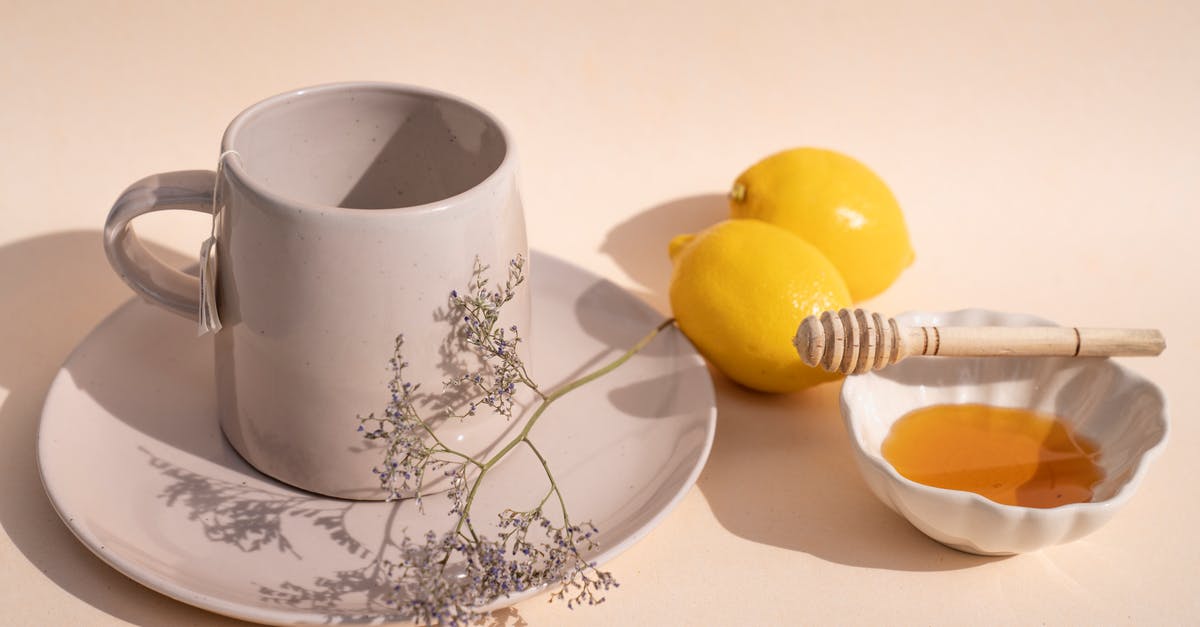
x: 781, y: 472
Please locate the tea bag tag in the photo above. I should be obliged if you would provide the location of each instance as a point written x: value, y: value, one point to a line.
x: 210, y: 320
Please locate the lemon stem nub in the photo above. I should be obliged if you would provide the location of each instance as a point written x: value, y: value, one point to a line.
x: 738, y: 193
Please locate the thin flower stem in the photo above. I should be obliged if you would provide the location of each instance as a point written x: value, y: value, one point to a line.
x: 553, y: 484
x: 553, y: 396
x: 466, y: 458
x: 542, y: 503
x: 569, y: 387
x: 528, y: 381
x: 447, y: 449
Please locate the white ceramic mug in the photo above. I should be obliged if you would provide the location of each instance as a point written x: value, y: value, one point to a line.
x: 348, y: 212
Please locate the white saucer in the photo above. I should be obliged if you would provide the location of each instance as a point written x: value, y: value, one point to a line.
x: 133, y: 459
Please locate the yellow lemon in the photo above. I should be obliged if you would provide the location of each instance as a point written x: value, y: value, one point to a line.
x: 835, y: 203
x: 740, y: 288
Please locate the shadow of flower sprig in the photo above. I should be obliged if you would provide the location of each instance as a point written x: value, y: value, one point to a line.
x: 245, y: 517
x: 366, y: 588
x: 445, y: 578
x: 251, y: 519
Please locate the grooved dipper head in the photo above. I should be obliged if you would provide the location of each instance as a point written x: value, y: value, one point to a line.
x: 810, y: 341
x: 848, y: 341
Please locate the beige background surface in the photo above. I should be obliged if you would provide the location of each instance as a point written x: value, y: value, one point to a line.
x: 1046, y: 155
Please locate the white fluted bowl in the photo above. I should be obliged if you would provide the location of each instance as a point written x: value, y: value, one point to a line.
x: 1120, y: 411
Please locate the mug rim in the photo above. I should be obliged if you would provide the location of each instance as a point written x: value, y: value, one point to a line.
x: 235, y: 169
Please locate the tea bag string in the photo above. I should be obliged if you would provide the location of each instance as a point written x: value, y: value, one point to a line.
x: 210, y: 320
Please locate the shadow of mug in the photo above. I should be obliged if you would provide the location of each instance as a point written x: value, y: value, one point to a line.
x: 56, y: 288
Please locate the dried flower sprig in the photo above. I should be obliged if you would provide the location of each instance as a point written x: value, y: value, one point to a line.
x: 446, y: 578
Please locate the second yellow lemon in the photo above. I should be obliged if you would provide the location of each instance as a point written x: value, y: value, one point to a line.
x: 835, y: 203
x: 738, y: 291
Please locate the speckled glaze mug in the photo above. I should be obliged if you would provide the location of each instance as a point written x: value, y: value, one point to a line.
x: 346, y: 214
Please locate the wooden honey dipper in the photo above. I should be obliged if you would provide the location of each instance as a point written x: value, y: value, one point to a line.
x: 854, y: 342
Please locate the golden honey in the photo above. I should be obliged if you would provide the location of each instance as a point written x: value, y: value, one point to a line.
x: 1011, y: 456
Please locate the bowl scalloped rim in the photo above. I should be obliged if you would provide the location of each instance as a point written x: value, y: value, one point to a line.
x: 868, y: 459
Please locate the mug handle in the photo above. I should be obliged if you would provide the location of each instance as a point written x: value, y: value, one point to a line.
x: 159, y: 283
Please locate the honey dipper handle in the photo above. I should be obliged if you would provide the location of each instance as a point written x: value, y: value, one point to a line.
x: 1030, y: 341
x: 854, y: 342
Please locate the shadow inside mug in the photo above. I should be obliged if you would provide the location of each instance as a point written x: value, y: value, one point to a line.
x: 57, y: 287
x: 428, y: 158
